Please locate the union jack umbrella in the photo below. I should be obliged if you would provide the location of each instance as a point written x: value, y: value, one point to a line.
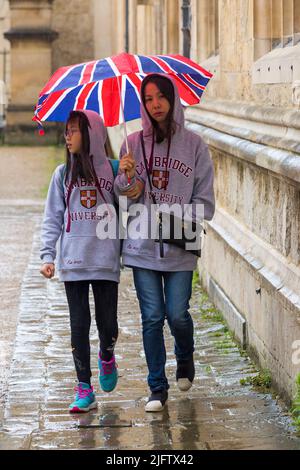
x: 111, y: 86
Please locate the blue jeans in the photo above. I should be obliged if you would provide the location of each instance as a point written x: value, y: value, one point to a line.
x: 164, y: 295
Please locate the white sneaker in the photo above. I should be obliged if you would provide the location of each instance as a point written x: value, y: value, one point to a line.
x: 157, y: 401
x: 184, y: 384
x: 185, y: 374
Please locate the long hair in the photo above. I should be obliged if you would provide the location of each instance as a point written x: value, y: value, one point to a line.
x: 82, y: 167
x: 165, y: 86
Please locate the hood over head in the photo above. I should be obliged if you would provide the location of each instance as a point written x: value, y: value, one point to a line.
x: 178, y: 115
x: 98, y: 136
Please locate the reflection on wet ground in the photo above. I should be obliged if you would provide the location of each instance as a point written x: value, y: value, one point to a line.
x: 17, y: 224
x: 217, y: 413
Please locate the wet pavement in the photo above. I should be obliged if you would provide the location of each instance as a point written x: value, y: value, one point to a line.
x: 25, y: 174
x: 17, y: 224
x: 217, y: 413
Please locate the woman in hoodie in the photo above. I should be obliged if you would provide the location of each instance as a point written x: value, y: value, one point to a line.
x: 80, y: 196
x: 179, y: 171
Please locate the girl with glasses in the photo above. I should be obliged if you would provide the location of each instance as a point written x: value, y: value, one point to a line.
x: 78, y: 190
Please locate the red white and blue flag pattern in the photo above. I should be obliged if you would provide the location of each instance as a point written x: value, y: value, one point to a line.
x: 100, y: 85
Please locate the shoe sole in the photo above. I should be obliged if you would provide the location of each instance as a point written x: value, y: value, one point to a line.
x: 75, y: 409
x: 184, y: 384
x: 154, y: 406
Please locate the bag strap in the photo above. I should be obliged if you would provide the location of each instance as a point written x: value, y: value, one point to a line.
x: 147, y: 170
x: 161, y: 244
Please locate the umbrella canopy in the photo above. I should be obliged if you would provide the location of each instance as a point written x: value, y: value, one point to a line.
x: 111, y: 86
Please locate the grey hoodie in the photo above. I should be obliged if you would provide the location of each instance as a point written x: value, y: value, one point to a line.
x: 71, y: 215
x: 189, y: 181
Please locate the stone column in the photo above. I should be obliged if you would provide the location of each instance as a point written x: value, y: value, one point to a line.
x: 30, y: 38
x: 203, y: 30
x: 103, y: 28
x: 296, y: 22
x: 173, y: 27
x: 118, y: 26
x: 132, y: 26
x: 277, y: 24
x: 288, y: 22
x: 158, y: 12
x: 145, y: 29
x: 262, y: 28
x: 4, y: 61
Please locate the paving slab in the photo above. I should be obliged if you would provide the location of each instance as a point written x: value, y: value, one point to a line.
x: 217, y: 413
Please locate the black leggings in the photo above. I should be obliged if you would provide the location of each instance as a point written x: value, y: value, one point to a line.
x: 106, y: 301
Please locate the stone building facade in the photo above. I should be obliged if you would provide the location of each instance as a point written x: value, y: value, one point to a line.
x: 43, y: 35
x: 4, y: 60
x: 249, y: 117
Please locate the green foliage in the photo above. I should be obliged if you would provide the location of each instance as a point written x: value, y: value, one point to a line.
x: 295, y: 410
x: 262, y: 380
x: 211, y: 314
x: 196, y: 279
x: 208, y: 369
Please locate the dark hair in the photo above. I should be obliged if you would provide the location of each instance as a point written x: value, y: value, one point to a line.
x: 166, y: 87
x: 82, y: 167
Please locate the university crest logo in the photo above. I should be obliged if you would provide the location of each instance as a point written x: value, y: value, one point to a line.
x: 160, y: 179
x: 88, y: 198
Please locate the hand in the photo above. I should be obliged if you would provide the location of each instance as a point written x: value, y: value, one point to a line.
x: 128, y: 165
x: 48, y: 270
x: 135, y: 192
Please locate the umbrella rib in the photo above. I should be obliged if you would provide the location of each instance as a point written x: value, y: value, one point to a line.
x: 190, y: 65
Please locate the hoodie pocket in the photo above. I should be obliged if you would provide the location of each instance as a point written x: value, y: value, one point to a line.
x: 79, y: 252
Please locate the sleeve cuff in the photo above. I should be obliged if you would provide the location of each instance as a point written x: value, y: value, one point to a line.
x: 47, y: 259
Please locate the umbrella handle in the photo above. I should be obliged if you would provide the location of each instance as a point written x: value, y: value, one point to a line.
x: 124, y: 123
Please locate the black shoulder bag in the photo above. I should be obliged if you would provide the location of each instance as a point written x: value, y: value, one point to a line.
x: 173, y: 229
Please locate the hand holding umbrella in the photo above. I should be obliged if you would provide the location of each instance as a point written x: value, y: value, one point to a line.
x: 128, y: 165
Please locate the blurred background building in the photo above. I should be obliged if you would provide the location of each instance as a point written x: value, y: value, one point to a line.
x: 249, y: 117
x: 4, y: 60
x: 251, y: 46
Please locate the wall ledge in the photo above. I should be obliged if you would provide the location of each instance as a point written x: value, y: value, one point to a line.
x: 280, y: 162
x: 274, y: 268
x: 277, y: 136
x: 278, y: 116
x: 281, y: 65
x: 44, y: 34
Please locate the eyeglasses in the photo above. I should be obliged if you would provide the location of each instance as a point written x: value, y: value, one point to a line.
x: 70, y: 132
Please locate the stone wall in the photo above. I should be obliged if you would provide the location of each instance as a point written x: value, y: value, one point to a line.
x: 240, y: 21
x: 74, y: 22
x: 249, y: 118
x: 250, y: 264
